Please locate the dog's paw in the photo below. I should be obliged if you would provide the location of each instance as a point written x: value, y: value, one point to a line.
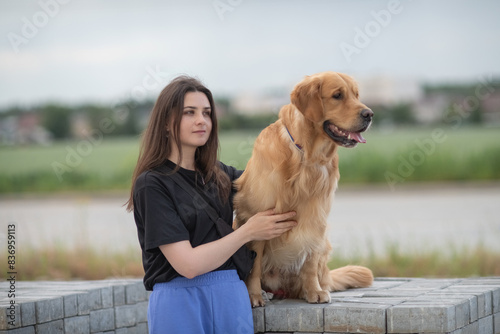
x: 257, y: 300
x: 318, y: 297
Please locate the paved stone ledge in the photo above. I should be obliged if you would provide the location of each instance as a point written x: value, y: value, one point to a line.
x: 76, y: 307
x: 391, y: 305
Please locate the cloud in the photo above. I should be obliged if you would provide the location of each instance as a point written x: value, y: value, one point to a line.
x: 103, y: 49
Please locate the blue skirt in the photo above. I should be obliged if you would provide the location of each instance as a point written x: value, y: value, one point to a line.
x: 213, y: 303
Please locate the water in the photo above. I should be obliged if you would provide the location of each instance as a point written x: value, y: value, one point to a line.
x: 361, y: 221
x: 416, y: 219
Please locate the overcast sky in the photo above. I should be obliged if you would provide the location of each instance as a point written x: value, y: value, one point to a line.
x: 78, y: 50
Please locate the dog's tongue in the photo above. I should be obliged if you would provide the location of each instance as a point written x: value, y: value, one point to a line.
x: 357, y: 137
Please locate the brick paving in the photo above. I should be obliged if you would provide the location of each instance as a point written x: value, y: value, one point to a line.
x: 391, y: 305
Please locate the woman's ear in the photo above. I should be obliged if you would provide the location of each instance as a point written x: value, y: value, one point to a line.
x: 306, y: 96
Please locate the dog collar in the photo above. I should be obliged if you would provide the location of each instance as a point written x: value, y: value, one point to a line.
x: 293, y: 141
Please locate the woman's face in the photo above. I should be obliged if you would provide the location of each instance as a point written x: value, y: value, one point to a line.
x: 196, y: 124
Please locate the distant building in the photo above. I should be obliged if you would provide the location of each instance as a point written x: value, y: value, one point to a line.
x: 491, y: 108
x: 260, y: 103
x: 384, y: 90
x: 430, y: 109
x: 23, y: 129
x: 80, y: 125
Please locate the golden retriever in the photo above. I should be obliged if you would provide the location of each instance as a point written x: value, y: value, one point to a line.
x: 294, y: 167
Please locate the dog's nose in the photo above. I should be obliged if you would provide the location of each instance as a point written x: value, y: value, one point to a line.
x: 367, y: 113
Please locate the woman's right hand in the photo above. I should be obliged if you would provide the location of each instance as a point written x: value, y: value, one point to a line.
x: 267, y: 225
x: 192, y: 261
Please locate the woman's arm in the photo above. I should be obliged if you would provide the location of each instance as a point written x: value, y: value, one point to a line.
x: 191, y: 262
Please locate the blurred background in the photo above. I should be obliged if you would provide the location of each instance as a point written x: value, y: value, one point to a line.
x: 78, y: 80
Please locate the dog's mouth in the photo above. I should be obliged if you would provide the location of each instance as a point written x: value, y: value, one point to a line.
x: 343, y: 137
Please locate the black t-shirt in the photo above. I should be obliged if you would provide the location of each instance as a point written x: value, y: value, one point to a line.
x: 159, y: 204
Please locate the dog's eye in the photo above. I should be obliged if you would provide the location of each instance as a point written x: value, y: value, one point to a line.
x: 337, y: 96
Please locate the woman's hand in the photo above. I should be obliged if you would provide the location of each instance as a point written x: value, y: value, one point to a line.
x: 268, y: 225
x: 191, y: 262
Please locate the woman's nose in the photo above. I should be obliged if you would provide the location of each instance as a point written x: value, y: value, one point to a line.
x: 200, y: 118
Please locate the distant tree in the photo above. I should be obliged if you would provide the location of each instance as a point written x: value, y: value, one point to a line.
x: 95, y: 113
x: 223, y: 105
x: 242, y: 121
x: 458, y: 113
x: 129, y: 116
x: 124, y: 117
x: 129, y: 124
x: 398, y: 114
x: 56, y: 119
x: 476, y: 116
x: 402, y: 114
x: 11, y: 111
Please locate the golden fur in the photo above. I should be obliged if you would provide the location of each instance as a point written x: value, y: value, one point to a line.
x: 325, y: 112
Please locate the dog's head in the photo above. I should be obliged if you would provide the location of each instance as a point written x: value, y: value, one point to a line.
x: 331, y: 100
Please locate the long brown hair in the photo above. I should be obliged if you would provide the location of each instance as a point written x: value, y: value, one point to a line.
x: 156, y: 139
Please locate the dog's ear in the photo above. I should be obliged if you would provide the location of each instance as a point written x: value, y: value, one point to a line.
x: 306, y: 96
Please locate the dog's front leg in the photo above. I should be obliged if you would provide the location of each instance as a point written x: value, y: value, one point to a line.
x: 253, y: 280
x: 325, y: 279
x: 311, y: 288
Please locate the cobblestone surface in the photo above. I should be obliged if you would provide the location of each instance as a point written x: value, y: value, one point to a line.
x: 391, y: 305
x: 109, y: 306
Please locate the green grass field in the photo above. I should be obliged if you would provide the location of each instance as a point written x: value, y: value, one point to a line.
x: 403, y: 155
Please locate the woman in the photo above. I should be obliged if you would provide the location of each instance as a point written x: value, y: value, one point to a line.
x: 187, y: 264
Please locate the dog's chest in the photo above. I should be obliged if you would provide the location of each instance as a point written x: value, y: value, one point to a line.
x: 315, y: 180
x: 290, y: 252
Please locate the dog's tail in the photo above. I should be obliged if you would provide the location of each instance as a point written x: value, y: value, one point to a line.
x: 351, y: 277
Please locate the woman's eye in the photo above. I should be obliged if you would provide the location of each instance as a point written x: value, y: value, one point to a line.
x: 206, y: 113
